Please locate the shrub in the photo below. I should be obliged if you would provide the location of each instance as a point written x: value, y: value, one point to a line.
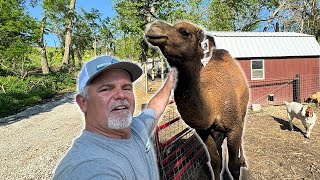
x: 17, y: 94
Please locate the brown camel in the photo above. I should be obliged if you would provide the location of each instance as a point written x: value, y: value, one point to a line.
x: 209, y: 99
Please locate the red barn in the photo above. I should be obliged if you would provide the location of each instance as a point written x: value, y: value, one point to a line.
x: 278, y: 65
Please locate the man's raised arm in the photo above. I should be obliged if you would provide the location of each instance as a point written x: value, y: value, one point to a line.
x: 160, y: 100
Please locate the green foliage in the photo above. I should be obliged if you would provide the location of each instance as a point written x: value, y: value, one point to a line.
x: 17, y: 35
x: 194, y: 11
x: 128, y: 48
x: 57, y: 13
x: 17, y: 94
x: 54, y: 57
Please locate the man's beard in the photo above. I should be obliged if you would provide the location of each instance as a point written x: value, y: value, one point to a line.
x: 120, y: 120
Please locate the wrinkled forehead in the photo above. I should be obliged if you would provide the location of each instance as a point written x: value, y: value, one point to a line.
x: 110, y: 75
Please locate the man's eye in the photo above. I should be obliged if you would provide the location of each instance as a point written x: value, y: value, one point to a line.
x: 128, y: 88
x: 105, y: 89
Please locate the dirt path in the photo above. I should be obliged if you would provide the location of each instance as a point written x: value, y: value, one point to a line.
x: 33, y: 142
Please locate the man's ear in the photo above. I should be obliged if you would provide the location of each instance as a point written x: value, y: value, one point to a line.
x: 82, y: 103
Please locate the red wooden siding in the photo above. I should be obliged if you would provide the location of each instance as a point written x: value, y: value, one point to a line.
x: 279, y: 74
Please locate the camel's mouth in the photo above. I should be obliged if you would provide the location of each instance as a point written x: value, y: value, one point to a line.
x: 156, y: 39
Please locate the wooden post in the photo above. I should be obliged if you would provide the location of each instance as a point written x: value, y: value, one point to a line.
x: 296, y: 89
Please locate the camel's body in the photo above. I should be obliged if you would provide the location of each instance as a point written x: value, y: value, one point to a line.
x: 211, y: 98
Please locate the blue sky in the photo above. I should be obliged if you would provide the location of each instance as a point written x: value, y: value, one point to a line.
x: 104, y: 6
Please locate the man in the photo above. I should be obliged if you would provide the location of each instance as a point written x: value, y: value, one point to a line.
x: 113, y: 145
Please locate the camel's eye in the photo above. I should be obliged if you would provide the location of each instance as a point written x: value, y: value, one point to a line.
x: 184, y: 32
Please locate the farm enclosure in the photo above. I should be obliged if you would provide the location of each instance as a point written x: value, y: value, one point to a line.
x: 34, y: 142
x: 271, y: 150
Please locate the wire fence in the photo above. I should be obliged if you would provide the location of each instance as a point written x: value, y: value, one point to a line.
x: 180, y: 152
x: 275, y: 91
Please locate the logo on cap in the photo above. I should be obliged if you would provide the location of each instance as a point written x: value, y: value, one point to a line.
x: 102, y: 65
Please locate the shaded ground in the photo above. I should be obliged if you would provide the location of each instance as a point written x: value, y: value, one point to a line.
x: 33, y: 142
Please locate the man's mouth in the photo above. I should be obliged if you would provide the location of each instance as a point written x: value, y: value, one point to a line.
x: 120, y: 108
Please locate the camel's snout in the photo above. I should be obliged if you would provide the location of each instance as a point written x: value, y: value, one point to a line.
x: 155, y: 34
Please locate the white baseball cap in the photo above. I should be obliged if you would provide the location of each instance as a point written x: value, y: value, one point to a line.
x: 96, y: 66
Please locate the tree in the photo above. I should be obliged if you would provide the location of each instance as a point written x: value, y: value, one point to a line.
x: 43, y: 52
x: 130, y: 22
x: 67, y: 44
x: 106, y: 36
x: 92, y: 19
x: 56, y: 12
x: 17, y: 37
x: 297, y: 16
x: 82, y: 38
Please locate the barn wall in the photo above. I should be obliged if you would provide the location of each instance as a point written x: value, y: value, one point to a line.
x: 279, y: 75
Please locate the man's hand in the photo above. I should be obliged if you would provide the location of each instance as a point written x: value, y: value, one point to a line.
x: 171, y: 79
x: 160, y: 100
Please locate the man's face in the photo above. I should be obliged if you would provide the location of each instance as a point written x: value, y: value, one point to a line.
x: 110, y: 102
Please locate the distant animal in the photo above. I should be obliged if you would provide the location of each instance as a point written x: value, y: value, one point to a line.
x: 211, y: 99
x: 304, y: 113
x: 314, y: 98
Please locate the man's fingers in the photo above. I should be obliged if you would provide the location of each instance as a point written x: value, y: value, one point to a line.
x: 172, y: 78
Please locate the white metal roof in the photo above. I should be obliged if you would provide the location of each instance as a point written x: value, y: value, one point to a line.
x: 266, y: 44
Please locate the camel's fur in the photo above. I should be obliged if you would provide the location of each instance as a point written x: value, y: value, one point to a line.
x: 208, y: 98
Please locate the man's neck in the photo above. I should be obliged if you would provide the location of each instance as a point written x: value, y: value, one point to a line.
x: 111, y: 133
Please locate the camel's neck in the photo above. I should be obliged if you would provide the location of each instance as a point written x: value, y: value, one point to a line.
x: 187, y: 94
x: 188, y: 73
x: 188, y: 80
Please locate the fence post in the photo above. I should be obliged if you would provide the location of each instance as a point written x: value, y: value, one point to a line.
x: 296, y: 88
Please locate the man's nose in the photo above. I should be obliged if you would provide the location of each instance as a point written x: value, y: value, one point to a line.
x: 119, y: 94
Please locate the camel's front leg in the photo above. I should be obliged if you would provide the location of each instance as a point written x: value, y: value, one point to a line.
x: 216, y: 160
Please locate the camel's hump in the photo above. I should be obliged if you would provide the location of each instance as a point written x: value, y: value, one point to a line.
x: 220, y: 55
x: 221, y: 64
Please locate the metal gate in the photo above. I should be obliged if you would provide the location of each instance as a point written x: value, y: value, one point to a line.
x: 180, y: 152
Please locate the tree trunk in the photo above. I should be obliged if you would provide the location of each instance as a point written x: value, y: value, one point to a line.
x: 95, y: 47
x: 43, y: 52
x: 149, y: 18
x: 274, y: 14
x: 72, y: 62
x: 67, y: 44
x: 79, y: 55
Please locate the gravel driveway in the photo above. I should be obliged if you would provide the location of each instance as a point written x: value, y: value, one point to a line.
x: 33, y: 141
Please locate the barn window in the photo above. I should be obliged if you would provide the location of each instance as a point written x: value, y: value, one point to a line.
x: 257, y: 69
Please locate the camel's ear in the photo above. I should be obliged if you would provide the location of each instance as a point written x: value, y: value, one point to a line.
x: 200, y: 36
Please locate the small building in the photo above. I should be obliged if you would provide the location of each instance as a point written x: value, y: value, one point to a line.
x: 277, y: 65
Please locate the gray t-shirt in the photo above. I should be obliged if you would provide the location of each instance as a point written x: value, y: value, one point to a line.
x: 94, y: 156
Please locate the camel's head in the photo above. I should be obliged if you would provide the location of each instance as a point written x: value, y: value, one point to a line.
x: 178, y: 43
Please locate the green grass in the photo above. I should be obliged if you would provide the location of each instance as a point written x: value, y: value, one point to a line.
x: 17, y: 94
